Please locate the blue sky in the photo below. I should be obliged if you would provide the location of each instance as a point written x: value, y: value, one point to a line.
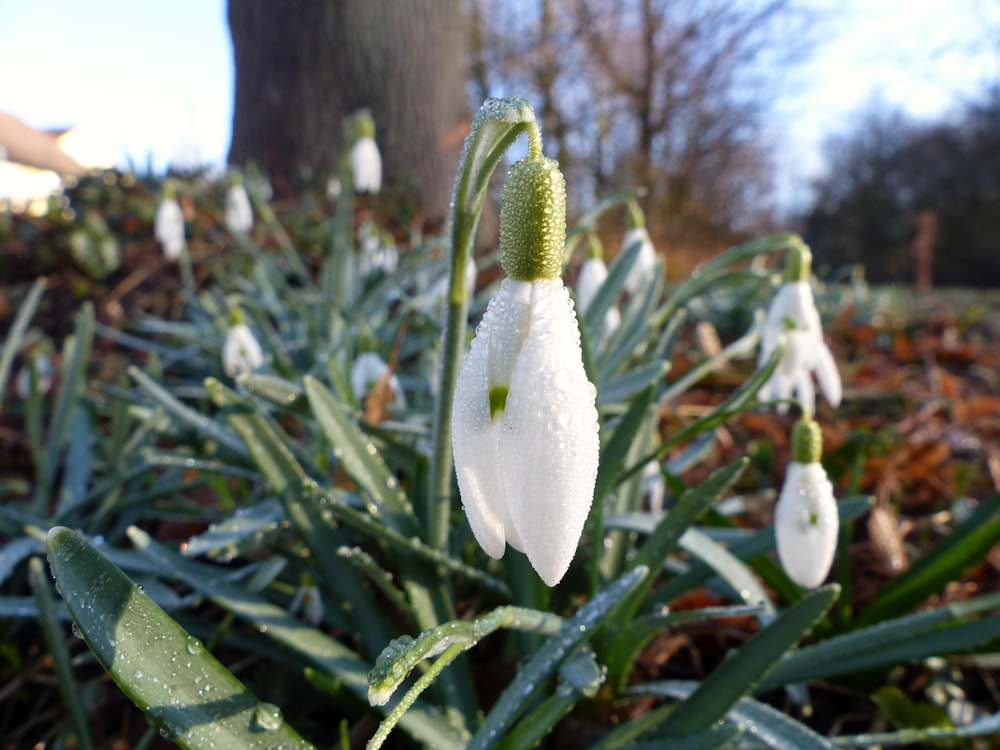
x: 156, y: 76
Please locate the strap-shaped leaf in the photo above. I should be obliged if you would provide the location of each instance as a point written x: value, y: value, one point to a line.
x: 12, y: 341
x: 310, y: 646
x: 360, y: 459
x: 946, y: 561
x: 55, y: 638
x: 771, y: 728
x: 737, y: 676
x: 180, y: 687
x: 278, y: 465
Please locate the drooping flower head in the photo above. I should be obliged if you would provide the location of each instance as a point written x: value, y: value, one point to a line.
x: 793, y: 316
x: 238, y: 212
x: 168, y: 226
x: 525, y: 430
x: 806, y: 521
x: 241, y: 352
x: 635, y: 231
x: 366, y: 161
x: 593, y: 272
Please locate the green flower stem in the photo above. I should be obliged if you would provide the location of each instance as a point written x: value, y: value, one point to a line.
x: 497, y: 125
x: 411, y: 695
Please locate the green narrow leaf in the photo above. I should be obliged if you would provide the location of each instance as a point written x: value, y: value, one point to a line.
x: 609, y: 291
x: 182, y: 689
x: 55, y: 638
x: 875, y: 647
x: 759, y: 543
x: 695, y: 501
x: 360, y: 459
x: 963, y: 548
x: 327, y: 656
x: 185, y: 414
x: 631, y: 640
x: 12, y: 341
x: 745, y: 668
x: 310, y: 518
x: 76, y: 357
x: 771, y: 728
x: 533, y: 676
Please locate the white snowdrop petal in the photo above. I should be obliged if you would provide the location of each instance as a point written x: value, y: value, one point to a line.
x: 366, y: 165
x: 793, y: 315
x: 241, y: 352
x: 644, y: 261
x: 828, y: 375
x: 168, y: 228
x: 510, y: 315
x: 548, y: 442
x: 593, y: 272
x: 238, y: 213
x: 805, y: 391
x: 474, y: 443
x: 806, y: 524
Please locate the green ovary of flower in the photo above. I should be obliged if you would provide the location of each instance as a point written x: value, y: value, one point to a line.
x: 533, y: 220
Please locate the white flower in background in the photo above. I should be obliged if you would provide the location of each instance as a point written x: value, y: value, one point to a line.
x: 368, y: 369
x: 645, y: 261
x: 238, y: 213
x: 654, y: 487
x: 377, y: 251
x: 309, y: 601
x: 593, y: 272
x: 793, y: 316
x: 43, y: 371
x: 241, y: 352
x: 806, y: 521
x: 366, y: 161
x: 525, y: 428
x: 168, y: 227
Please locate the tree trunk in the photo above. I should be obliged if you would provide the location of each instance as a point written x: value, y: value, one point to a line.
x: 303, y: 65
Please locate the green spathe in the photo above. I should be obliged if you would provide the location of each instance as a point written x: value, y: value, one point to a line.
x: 807, y: 441
x: 533, y: 220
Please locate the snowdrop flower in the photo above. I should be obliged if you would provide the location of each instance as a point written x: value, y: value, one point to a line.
x: 241, y: 352
x: 593, y: 272
x: 368, y: 369
x: 42, y: 365
x: 793, y: 315
x: 654, y: 487
x: 168, y: 227
x: 806, y: 521
x: 308, y: 599
x: 366, y: 161
x: 645, y: 261
x: 238, y: 213
x: 377, y: 250
x: 525, y: 429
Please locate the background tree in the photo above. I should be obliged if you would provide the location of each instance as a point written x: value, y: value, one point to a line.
x: 666, y: 95
x: 888, y: 171
x: 303, y: 65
